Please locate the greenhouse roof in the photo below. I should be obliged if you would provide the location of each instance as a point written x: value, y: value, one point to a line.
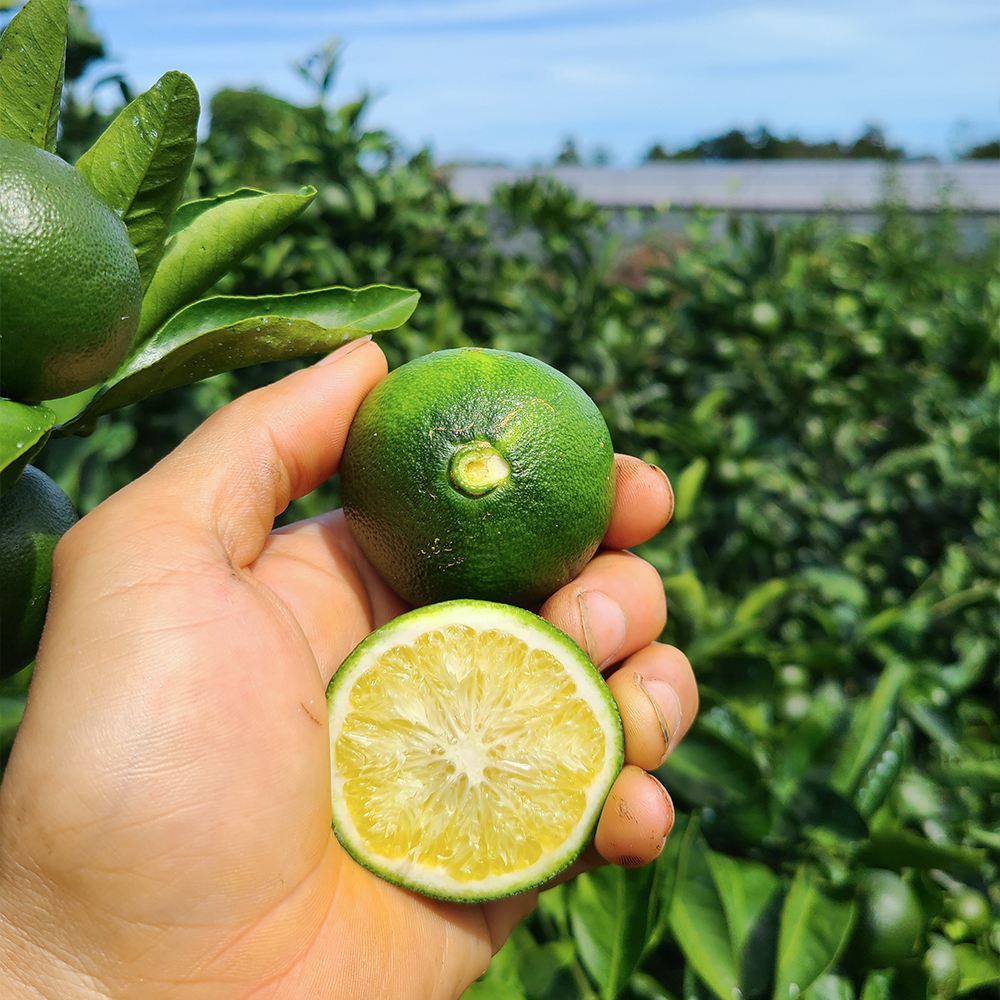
x: 763, y: 186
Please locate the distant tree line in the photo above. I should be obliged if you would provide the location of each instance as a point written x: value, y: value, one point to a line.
x: 987, y: 151
x: 762, y: 144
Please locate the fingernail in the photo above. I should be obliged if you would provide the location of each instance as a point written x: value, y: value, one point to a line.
x: 670, y: 489
x: 344, y: 349
x: 667, y: 705
x: 604, y: 626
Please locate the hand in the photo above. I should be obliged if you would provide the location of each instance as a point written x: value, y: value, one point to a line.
x: 165, y: 814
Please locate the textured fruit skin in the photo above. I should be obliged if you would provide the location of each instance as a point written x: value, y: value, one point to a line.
x: 519, y: 542
x: 34, y: 514
x: 890, y: 920
x: 71, y: 287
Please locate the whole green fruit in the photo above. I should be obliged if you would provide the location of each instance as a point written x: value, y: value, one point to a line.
x: 478, y: 474
x: 34, y: 514
x: 890, y: 921
x: 71, y: 295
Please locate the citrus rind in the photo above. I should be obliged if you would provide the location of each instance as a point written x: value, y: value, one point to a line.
x: 477, y: 473
x: 72, y: 292
x: 472, y: 746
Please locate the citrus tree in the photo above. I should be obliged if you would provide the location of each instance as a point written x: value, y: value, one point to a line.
x: 105, y: 274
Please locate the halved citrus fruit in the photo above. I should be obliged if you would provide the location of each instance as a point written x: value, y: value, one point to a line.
x: 472, y: 746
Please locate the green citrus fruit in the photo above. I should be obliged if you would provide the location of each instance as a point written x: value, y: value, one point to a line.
x: 472, y: 746
x: 890, y: 922
x: 71, y: 288
x: 971, y: 909
x: 34, y: 513
x: 478, y: 473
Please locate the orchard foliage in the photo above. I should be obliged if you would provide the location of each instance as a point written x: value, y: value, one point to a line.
x: 825, y: 404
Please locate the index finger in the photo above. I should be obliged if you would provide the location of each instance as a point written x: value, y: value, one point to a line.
x: 644, y: 503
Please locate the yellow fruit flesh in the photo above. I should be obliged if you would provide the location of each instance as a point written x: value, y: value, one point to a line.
x: 467, y: 752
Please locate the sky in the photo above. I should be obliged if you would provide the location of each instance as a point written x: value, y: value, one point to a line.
x: 509, y: 80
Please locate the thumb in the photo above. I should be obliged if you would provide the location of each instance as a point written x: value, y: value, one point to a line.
x: 245, y: 463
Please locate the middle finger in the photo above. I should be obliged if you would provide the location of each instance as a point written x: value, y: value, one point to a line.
x: 614, y: 607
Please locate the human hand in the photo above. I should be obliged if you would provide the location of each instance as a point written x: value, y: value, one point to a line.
x: 165, y: 814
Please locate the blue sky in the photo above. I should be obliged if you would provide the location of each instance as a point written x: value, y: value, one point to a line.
x: 508, y: 80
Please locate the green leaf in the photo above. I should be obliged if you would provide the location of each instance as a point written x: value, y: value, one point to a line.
x: 215, y: 240
x: 665, y: 879
x: 32, y: 66
x: 141, y: 162
x: 745, y: 888
x: 717, y: 642
x: 190, y: 210
x: 880, y: 776
x: 977, y: 968
x: 708, y: 773
x: 11, y: 710
x: 611, y: 913
x: 707, y: 408
x: 687, y: 589
x: 830, y: 987
x: 814, y: 931
x: 226, y: 332
x: 881, y: 622
x: 799, y: 751
x: 872, y: 723
x: 836, y: 586
x: 727, y: 726
x: 750, y: 894
x: 646, y: 987
x: 552, y: 909
x: 898, y: 849
x: 759, y: 600
x: 693, y: 988
x: 698, y: 919
x: 687, y: 489
x: 825, y: 813
x: 545, y: 970
x: 523, y: 969
x: 24, y: 430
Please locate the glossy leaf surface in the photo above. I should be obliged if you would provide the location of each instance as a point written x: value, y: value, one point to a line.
x: 32, y: 65
x: 222, y: 333
x: 612, y: 912
x: 217, y: 238
x: 141, y: 162
x: 24, y: 430
x: 814, y: 931
x: 698, y: 920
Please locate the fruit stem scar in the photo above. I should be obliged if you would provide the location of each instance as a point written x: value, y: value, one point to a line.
x: 477, y: 467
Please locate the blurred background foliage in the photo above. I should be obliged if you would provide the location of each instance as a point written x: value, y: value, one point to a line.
x: 825, y: 403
